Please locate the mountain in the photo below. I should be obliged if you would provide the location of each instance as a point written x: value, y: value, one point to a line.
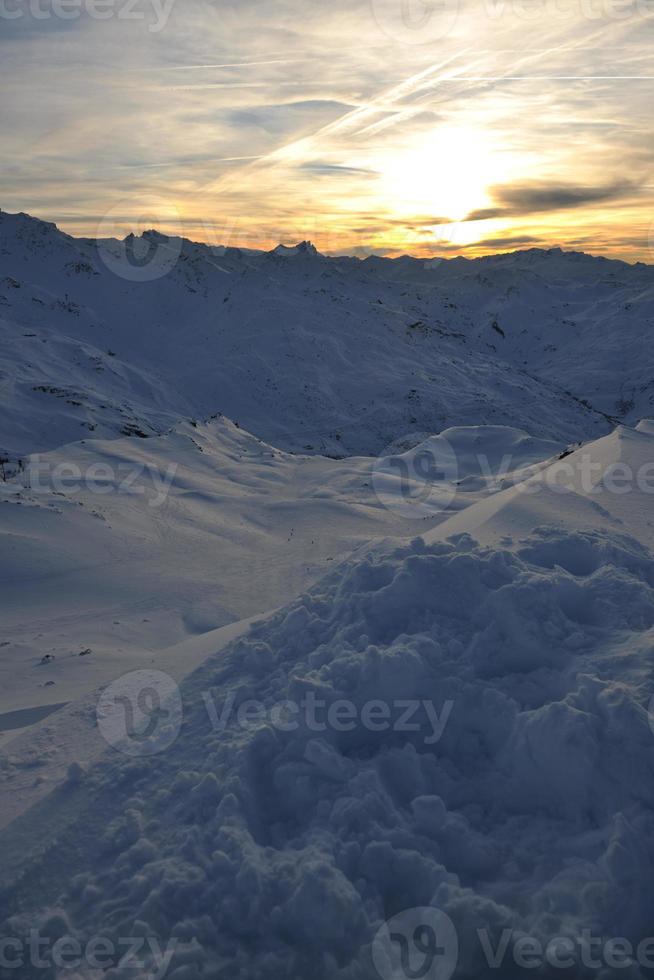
x: 328, y: 611
x: 323, y: 355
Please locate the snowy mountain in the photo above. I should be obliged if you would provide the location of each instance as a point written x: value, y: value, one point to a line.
x: 310, y: 353
x: 383, y: 530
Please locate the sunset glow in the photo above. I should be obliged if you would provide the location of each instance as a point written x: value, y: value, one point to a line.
x: 451, y: 127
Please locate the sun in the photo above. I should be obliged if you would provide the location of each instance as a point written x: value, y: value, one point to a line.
x: 445, y: 173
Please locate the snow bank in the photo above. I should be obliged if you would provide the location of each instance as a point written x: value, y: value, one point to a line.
x: 520, y: 793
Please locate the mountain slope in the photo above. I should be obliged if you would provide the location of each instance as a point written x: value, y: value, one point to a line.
x: 492, y: 570
x: 317, y: 354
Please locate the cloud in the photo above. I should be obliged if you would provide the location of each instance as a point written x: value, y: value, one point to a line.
x: 423, y: 222
x: 533, y: 198
x: 282, y: 119
x: 507, y: 242
x: 281, y: 114
x: 321, y: 167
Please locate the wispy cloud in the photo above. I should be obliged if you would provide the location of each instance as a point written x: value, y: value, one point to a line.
x: 322, y: 168
x: 262, y: 121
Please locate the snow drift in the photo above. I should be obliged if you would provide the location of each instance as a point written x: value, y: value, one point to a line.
x: 518, y: 795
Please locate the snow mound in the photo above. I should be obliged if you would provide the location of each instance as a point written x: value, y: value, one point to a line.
x: 444, y: 472
x: 204, y: 526
x: 519, y: 793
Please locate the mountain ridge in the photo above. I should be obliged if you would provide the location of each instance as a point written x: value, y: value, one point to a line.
x: 337, y: 356
x: 309, y: 248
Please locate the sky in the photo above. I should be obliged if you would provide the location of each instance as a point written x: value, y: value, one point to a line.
x: 388, y: 126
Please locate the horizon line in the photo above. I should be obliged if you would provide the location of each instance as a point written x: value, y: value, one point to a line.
x: 327, y: 254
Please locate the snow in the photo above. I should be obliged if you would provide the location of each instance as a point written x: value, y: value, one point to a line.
x: 410, y: 685
x: 318, y: 354
x: 125, y: 572
x: 529, y: 805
